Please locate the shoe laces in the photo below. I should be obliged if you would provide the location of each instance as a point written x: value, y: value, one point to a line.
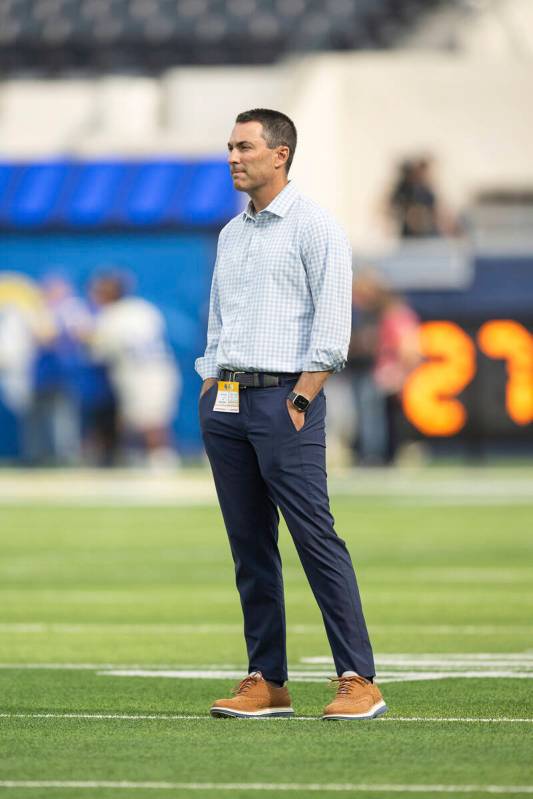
x: 345, y: 684
x: 244, y: 685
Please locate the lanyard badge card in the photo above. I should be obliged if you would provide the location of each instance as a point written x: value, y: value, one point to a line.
x: 227, y: 399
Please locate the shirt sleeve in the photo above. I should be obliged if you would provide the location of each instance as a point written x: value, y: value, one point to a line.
x: 327, y: 258
x: 206, y: 366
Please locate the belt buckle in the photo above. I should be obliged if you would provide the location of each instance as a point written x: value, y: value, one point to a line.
x: 234, y: 374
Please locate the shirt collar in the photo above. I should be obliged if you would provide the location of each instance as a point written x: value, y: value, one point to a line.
x: 279, y: 205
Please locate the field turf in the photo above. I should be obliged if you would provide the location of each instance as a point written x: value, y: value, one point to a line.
x: 106, y: 611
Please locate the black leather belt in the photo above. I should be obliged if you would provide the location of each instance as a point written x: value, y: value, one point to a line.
x: 258, y: 379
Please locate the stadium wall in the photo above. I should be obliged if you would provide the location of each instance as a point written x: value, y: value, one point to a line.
x: 356, y: 122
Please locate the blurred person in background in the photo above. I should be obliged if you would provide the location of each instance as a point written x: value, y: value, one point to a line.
x: 397, y: 354
x: 23, y: 320
x: 129, y: 337
x: 371, y: 436
x: 53, y: 419
x: 32, y: 370
x: 415, y: 205
x: 101, y: 440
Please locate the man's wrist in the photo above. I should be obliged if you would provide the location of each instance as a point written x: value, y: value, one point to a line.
x: 299, y: 401
x: 207, y: 384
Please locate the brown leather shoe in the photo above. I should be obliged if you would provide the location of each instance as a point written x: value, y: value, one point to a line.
x: 255, y: 697
x: 356, y: 698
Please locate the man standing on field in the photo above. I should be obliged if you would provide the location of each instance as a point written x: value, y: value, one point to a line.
x: 279, y: 325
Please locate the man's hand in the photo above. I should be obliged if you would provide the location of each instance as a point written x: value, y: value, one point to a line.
x: 206, y: 385
x: 309, y: 384
x: 298, y: 418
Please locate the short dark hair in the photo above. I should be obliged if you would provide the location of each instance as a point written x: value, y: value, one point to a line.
x: 278, y: 129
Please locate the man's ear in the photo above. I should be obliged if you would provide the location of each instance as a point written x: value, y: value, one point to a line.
x: 282, y: 156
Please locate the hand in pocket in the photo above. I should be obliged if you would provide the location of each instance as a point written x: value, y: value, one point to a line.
x: 297, y: 417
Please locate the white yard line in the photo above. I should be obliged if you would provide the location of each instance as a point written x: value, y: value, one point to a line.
x: 318, y: 665
x: 225, y: 629
x: 206, y: 497
x: 413, y: 486
x: 408, y: 486
x: 111, y: 666
x: 273, y: 786
x: 438, y: 659
x: 423, y: 676
x: 185, y: 717
x: 391, y: 668
x: 319, y: 677
x: 126, y: 629
x: 307, y: 676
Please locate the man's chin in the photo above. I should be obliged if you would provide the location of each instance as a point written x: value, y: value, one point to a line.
x: 240, y: 185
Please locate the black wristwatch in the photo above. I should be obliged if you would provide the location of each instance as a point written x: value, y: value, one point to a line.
x: 300, y: 402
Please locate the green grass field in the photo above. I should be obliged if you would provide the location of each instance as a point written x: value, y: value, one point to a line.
x: 106, y: 611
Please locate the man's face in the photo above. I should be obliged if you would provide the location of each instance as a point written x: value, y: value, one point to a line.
x: 251, y: 162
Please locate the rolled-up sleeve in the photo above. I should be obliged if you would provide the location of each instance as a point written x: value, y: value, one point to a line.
x: 327, y: 258
x: 206, y: 366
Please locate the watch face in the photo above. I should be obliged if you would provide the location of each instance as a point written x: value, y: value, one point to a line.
x: 300, y: 402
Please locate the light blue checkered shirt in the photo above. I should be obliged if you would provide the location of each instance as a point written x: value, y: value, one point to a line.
x: 281, y: 291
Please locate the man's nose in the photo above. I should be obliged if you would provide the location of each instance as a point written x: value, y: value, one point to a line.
x: 233, y: 157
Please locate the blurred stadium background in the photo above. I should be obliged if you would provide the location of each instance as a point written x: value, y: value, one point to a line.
x: 113, y: 122
x: 415, y: 129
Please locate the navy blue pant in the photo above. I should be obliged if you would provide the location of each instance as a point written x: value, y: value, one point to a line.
x: 260, y: 463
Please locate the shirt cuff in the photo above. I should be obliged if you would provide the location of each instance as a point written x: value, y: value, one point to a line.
x: 325, y: 361
x: 206, y: 367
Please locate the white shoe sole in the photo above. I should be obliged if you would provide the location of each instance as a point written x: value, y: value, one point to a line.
x: 268, y: 713
x: 376, y: 710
